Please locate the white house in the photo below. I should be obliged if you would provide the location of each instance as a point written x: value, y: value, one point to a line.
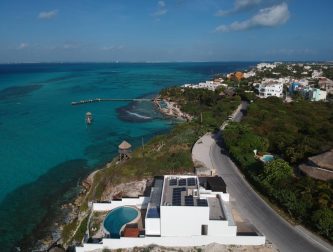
x: 249, y: 74
x: 316, y: 74
x: 315, y: 94
x: 261, y: 66
x: 210, y: 85
x: 181, y: 211
x: 270, y: 87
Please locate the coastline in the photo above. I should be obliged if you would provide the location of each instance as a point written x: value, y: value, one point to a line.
x: 72, y: 210
x: 171, y: 109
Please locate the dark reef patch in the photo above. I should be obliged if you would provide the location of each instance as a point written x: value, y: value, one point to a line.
x: 27, y: 211
x: 18, y: 91
x: 139, y: 112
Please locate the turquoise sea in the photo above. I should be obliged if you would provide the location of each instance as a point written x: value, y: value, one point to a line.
x: 46, y: 148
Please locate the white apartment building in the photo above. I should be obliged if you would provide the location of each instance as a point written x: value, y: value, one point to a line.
x: 210, y: 85
x: 270, y: 87
x: 316, y: 74
x: 261, y: 66
x: 249, y: 74
x: 181, y: 211
x: 315, y: 94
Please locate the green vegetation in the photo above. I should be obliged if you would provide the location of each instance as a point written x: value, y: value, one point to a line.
x: 294, y: 132
x: 68, y: 230
x: 171, y: 152
x: 328, y: 72
x: 212, y: 106
x: 164, y: 154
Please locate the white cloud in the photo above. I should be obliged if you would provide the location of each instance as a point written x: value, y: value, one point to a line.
x: 241, y: 4
x: 48, y: 14
x: 238, y: 6
x: 112, y: 48
x: 70, y: 46
x: 23, y: 46
x: 162, y: 10
x: 267, y: 17
x: 161, y: 4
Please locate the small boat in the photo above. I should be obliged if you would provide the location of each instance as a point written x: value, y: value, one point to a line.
x: 89, y: 118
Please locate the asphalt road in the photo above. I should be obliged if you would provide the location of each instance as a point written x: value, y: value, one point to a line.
x: 278, y: 231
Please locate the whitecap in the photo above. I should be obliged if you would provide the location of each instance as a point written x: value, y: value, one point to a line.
x: 138, y: 115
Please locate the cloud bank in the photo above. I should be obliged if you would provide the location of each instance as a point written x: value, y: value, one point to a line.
x: 266, y: 17
x: 239, y: 5
x: 48, y: 14
x: 162, y: 10
x: 23, y: 46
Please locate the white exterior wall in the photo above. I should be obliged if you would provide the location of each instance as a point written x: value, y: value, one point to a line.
x: 124, y: 242
x: 153, y: 226
x: 140, y: 202
x: 183, y: 220
x: 221, y: 228
x: 317, y: 94
x: 270, y: 90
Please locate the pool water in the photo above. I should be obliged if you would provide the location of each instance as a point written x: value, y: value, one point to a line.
x: 267, y: 158
x: 117, y: 218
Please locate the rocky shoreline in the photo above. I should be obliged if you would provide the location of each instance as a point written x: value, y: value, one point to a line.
x: 171, y: 109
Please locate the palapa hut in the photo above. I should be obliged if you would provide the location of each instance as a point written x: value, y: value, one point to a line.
x: 319, y: 166
x: 124, y: 150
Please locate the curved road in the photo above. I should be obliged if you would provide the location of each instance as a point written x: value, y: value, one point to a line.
x: 278, y: 231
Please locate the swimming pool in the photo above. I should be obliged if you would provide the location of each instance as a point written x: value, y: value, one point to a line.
x: 117, y: 218
x: 267, y: 158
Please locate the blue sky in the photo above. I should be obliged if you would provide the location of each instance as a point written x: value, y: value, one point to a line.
x: 169, y: 30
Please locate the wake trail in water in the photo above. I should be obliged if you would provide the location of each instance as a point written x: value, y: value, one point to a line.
x: 138, y: 115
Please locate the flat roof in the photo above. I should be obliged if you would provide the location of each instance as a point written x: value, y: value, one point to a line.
x: 215, y: 209
x: 216, y: 184
x: 153, y: 210
x: 182, y: 191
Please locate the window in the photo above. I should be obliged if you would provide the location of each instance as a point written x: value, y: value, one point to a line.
x: 204, y: 229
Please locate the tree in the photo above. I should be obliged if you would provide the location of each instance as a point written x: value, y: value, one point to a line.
x: 323, y: 219
x: 276, y: 171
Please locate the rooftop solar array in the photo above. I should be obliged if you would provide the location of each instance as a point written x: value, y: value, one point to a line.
x: 202, y: 202
x: 182, y: 182
x: 153, y: 212
x: 177, y: 196
x: 172, y: 182
x: 189, y: 201
x: 191, y: 181
x: 182, y: 191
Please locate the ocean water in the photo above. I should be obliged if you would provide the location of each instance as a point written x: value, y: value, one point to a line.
x: 46, y: 148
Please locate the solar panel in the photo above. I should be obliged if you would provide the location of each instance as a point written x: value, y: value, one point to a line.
x: 153, y: 213
x: 182, y: 182
x: 191, y: 181
x: 189, y: 201
x: 176, y: 196
x: 202, y: 202
x: 172, y: 182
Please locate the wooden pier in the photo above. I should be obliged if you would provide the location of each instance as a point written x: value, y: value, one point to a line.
x: 113, y: 100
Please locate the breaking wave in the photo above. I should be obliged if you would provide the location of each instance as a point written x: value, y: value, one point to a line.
x: 138, y: 115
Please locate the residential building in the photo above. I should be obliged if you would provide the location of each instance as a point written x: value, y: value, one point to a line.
x: 326, y: 84
x: 181, y: 210
x: 270, y: 87
x: 262, y: 66
x: 249, y: 74
x: 315, y: 94
x: 210, y: 85
x: 316, y: 74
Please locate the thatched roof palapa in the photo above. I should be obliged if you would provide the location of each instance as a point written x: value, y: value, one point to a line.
x: 124, y: 145
x: 324, y: 160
